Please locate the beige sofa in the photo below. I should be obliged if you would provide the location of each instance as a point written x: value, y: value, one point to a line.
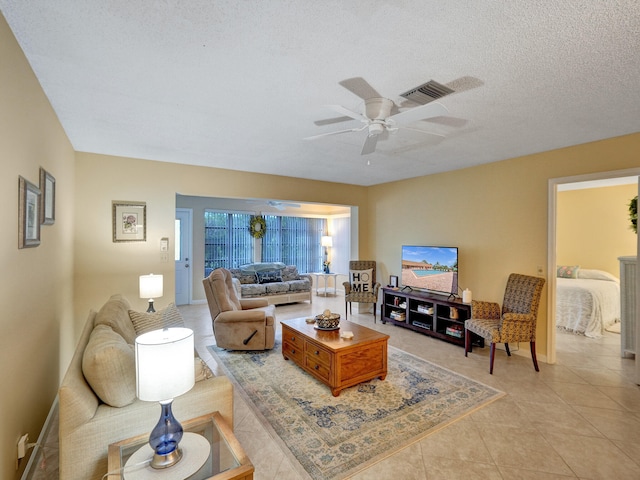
x: 102, y: 369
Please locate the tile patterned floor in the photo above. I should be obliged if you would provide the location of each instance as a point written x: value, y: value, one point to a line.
x: 579, y: 418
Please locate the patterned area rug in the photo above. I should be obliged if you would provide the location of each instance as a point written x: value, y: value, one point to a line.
x: 334, y: 437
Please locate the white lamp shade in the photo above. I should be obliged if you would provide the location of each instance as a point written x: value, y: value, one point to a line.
x: 150, y: 286
x: 164, y: 364
x: 326, y: 241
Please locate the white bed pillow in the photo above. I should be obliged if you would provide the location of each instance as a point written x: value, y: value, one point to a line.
x: 596, y: 275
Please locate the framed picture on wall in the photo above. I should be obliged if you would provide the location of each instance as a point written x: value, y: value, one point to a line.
x: 129, y: 221
x: 28, y: 214
x: 47, y: 198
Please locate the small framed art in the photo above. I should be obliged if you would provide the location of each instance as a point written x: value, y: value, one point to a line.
x: 393, y: 281
x: 28, y: 214
x: 47, y: 198
x: 129, y: 221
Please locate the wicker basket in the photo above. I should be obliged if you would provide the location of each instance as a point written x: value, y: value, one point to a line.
x: 329, y: 321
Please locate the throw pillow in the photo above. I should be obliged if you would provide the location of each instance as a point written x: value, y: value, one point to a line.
x: 202, y: 370
x: 109, y: 365
x: 144, y: 322
x: 270, y: 276
x: 361, y: 280
x: 568, y: 271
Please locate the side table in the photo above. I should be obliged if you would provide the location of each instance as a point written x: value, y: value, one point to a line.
x: 325, y: 277
x: 226, y: 461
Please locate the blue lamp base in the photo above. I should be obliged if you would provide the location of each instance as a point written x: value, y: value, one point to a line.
x: 165, y: 437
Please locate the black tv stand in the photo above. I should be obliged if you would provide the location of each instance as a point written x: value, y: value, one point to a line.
x: 438, y: 316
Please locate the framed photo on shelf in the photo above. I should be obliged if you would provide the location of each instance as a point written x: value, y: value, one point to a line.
x: 28, y: 214
x: 129, y: 221
x: 47, y: 198
x: 393, y: 281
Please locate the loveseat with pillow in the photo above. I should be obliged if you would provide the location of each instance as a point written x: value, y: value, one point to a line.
x: 275, y: 281
x: 97, y: 397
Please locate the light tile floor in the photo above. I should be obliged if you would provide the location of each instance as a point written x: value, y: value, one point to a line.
x: 579, y: 418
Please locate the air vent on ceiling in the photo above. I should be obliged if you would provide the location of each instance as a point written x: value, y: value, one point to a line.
x: 427, y: 92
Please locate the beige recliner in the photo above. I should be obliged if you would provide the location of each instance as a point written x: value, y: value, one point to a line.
x: 238, y: 324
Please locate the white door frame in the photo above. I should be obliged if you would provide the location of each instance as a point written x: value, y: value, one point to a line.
x: 552, y: 245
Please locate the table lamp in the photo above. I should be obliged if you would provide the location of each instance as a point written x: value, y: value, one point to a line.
x: 150, y: 287
x: 164, y: 370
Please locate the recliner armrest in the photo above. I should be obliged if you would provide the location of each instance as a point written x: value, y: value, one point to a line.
x: 249, y: 303
x: 241, y: 316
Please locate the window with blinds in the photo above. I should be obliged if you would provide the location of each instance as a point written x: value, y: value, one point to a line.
x: 227, y: 241
x: 294, y: 241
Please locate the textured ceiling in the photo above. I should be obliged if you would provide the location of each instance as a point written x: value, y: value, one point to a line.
x: 239, y: 84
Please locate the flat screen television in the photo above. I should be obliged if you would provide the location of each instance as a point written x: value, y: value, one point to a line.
x: 430, y: 268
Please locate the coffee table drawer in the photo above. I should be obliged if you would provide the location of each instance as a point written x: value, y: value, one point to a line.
x: 317, y: 368
x: 318, y: 354
x: 293, y: 338
x: 292, y: 351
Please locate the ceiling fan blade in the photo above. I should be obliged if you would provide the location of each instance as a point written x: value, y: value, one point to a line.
x: 433, y: 109
x: 360, y: 87
x: 331, y: 121
x: 347, y: 112
x: 336, y: 133
x: 369, y: 144
x: 423, y: 131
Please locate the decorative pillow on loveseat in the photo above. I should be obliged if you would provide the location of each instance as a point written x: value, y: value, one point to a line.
x: 109, y: 365
x: 144, y: 322
x: 270, y: 276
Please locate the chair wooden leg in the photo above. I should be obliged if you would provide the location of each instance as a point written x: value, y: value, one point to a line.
x: 533, y: 356
x: 374, y: 313
x: 467, y: 342
x: 346, y: 310
x: 492, y: 356
x: 506, y: 346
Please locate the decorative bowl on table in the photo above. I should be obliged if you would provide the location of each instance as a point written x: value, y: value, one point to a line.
x: 328, y: 321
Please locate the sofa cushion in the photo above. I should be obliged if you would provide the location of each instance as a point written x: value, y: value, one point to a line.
x: 277, y: 287
x: 289, y: 273
x: 144, y: 322
x: 303, y: 285
x: 253, y: 290
x: 115, y: 314
x: 270, y: 276
x: 109, y: 364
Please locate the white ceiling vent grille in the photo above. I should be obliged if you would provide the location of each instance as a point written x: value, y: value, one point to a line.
x: 427, y: 92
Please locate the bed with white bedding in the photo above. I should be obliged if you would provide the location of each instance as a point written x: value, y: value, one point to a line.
x: 589, y: 303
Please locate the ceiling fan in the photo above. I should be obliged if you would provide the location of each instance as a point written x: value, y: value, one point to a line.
x: 276, y: 204
x: 382, y: 115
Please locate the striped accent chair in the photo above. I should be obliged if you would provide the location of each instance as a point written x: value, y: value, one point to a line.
x: 355, y: 293
x: 515, y: 322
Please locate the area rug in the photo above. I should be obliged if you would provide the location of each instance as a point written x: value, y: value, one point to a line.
x: 334, y: 437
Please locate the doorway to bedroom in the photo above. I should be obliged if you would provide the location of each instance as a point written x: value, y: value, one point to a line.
x: 589, y: 228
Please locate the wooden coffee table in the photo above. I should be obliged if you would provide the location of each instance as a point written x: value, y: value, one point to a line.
x: 335, y: 361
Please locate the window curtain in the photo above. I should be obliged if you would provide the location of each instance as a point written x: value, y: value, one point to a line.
x: 227, y: 241
x: 294, y: 241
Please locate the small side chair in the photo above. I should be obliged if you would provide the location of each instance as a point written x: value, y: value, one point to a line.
x: 515, y: 322
x: 355, y: 292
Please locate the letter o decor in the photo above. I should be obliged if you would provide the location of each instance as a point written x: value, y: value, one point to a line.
x: 257, y: 226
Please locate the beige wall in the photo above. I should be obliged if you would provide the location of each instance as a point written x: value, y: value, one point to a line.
x: 104, y: 267
x: 593, y: 227
x: 36, y: 283
x: 496, y: 214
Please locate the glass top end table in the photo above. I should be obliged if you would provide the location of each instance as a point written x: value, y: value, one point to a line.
x: 226, y: 460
